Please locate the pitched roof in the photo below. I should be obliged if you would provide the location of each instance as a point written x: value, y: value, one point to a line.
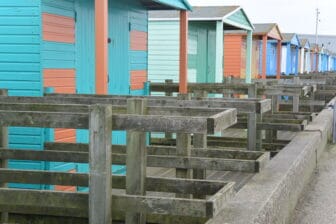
x: 266, y: 28
x: 198, y: 13
x: 287, y: 37
x: 263, y: 28
x: 329, y: 41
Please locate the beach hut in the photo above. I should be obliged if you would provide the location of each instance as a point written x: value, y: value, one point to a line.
x: 304, y: 56
x: 290, y: 54
x: 266, y: 51
x: 206, y: 41
x: 74, y: 46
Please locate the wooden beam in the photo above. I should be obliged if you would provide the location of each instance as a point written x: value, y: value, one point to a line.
x: 100, y: 182
x: 155, y: 184
x: 75, y: 204
x: 136, y: 161
x: 183, y: 86
x: 101, y: 35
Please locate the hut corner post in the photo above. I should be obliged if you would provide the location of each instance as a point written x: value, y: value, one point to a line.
x: 136, y: 160
x: 249, y: 40
x: 101, y: 24
x: 183, y: 86
x: 3, y: 162
x: 279, y: 49
x: 100, y: 161
x: 219, y: 51
x: 264, y: 56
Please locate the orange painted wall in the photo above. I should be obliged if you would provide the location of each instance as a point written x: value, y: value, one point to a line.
x: 137, y: 79
x: 63, y: 81
x: 232, y: 55
x: 58, y: 28
x: 138, y: 40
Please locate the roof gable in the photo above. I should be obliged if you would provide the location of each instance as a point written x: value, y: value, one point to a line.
x: 239, y: 18
x: 270, y: 29
x: 231, y: 15
x: 291, y: 38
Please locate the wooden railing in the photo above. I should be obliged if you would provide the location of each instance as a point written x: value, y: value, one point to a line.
x: 102, y: 114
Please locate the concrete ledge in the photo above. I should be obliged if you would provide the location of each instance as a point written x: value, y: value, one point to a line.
x: 271, y: 196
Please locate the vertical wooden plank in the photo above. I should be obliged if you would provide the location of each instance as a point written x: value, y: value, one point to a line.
x: 200, y: 141
x: 249, y: 38
x: 168, y: 81
x: 259, y: 136
x: 183, y: 81
x: 252, y: 121
x: 3, y: 162
x: 101, y: 24
x: 279, y: 51
x: 183, y: 148
x: 296, y: 99
x: 136, y: 160
x: 100, y: 182
x: 219, y: 51
x: 264, y: 56
x: 252, y: 131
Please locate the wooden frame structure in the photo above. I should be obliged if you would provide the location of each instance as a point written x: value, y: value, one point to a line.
x: 119, y: 113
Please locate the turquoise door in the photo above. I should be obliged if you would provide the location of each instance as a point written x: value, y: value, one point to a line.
x: 119, y: 77
x: 206, y: 48
x: 118, y: 49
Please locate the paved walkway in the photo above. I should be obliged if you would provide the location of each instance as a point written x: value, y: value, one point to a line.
x: 318, y: 203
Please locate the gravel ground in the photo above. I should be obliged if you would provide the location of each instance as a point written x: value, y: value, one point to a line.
x: 318, y: 203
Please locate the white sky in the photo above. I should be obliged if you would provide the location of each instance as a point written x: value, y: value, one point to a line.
x: 294, y: 16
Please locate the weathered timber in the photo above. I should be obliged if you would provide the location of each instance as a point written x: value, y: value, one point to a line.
x: 118, y: 109
x: 152, y: 161
x: 136, y: 161
x: 242, y: 105
x: 75, y: 204
x: 154, y: 123
x: 183, y: 149
x: 200, y: 141
x: 3, y: 162
x: 154, y: 184
x: 224, y: 153
x: 100, y: 181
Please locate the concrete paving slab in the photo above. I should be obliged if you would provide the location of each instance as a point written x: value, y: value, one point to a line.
x: 318, y: 202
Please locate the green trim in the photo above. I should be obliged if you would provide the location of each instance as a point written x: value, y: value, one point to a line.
x: 219, y: 51
x: 238, y: 25
x: 177, y: 4
x: 249, y: 40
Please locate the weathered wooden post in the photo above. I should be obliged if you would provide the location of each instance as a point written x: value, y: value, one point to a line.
x: 200, y: 141
x: 136, y: 160
x: 296, y: 99
x: 183, y: 148
x: 3, y: 162
x: 100, y: 181
x: 252, y: 131
x: 168, y: 93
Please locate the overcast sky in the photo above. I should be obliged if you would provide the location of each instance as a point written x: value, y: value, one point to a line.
x: 295, y: 16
